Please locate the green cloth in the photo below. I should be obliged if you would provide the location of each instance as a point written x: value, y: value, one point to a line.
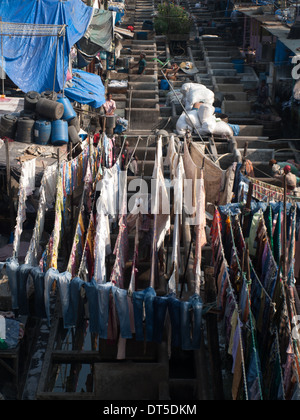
x: 100, y: 31
x: 3, y: 345
x: 294, y: 170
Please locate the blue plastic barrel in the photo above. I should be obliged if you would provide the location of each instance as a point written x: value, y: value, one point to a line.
x: 69, y: 113
x: 164, y: 85
x: 59, y: 133
x: 238, y: 65
x: 42, y: 132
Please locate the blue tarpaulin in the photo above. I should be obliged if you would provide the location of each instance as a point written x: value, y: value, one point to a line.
x: 30, y: 60
x: 86, y: 88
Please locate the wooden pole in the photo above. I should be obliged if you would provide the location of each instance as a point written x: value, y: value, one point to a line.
x: 284, y: 239
x: 130, y: 102
x: 2, y: 58
x: 72, y: 196
x: 9, y: 190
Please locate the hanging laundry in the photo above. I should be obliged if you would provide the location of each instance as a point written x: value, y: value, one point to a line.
x: 46, y: 199
x: 200, y: 230
x: 121, y: 246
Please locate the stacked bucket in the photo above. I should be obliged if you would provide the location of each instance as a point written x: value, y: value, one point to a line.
x: 47, y: 118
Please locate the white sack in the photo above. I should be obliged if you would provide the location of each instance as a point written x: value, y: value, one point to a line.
x: 182, y: 125
x: 198, y: 93
x: 205, y: 113
x: 193, y: 119
x: 222, y: 129
x: 209, y: 125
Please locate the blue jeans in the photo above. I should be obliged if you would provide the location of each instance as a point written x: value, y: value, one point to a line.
x: 139, y: 298
x: 75, y: 286
x: 39, y: 288
x: 161, y: 305
x: 93, y: 303
x: 63, y: 280
x: 12, y: 268
x: 98, y: 298
x: 191, y: 323
x: 120, y: 297
x: 23, y: 274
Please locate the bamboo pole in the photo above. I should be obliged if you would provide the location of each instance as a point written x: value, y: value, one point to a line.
x: 284, y: 239
x: 2, y: 60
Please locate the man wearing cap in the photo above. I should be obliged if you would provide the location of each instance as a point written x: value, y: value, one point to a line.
x: 292, y: 180
x: 278, y: 166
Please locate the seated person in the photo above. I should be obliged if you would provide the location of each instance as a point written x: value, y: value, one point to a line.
x: 171, y: 73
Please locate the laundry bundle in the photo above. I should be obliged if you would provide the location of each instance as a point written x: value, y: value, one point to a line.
x: 195, y: 92
x: 203, y: 121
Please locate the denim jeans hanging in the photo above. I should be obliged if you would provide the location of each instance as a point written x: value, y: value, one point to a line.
x: 120, y: 298
x: 139, y: 298
x: 63, y: 279
x: 74, y: 291
x: 98, y: 299
x: 12, y: 268
x: 161, y: 305
x: 23, y: 274
x: 93, y: 304
x: 191, y: 323
x: 38, y: 277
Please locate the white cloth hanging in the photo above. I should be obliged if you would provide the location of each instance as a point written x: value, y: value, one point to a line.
x: 28, y: 176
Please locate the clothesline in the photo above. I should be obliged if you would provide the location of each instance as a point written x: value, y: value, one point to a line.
x: 237, y: 310
x: 283, y: 289
x: 246, y: 285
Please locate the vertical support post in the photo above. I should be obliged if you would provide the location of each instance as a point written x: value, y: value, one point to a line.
x: 55, y: 67
x: 284, y: 230
x: 2, y: 58
x: 63, y: 89
x: 72, y: 198
x: 9, y: 191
